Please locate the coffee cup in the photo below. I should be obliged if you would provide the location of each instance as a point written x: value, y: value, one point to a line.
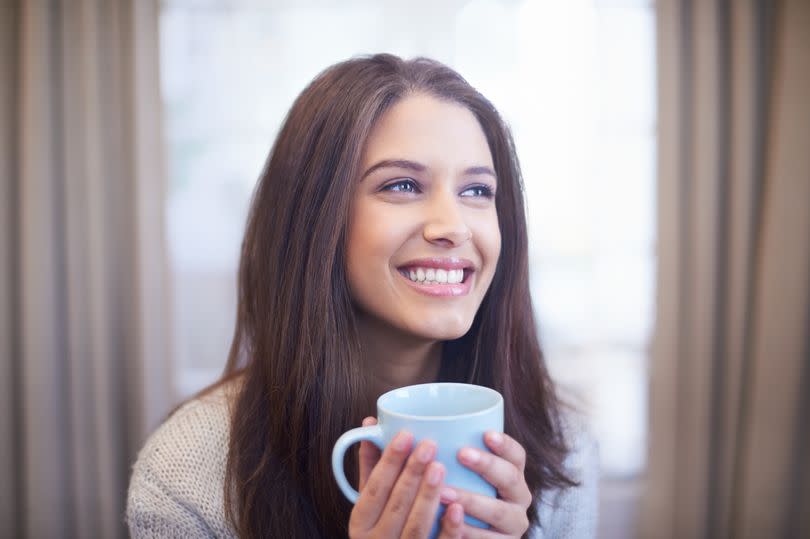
x: 450, y: 414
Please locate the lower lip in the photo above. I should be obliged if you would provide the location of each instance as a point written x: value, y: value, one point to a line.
x: 442, y: 290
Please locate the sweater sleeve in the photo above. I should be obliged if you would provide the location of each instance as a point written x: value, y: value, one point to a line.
x: 176, y: 488
x: 153, y: 512
x: 572, y: 513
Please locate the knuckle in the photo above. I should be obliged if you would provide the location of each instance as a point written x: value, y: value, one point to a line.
x: 414, y: 468
x: 355, y: 529
x: 427, y: 494
x: 527, y: 497
x: 524, y: 522
x: 515, y: 477
x: 521, y: 454
x: 499, y: 516
x: 486, y: 461
x: 391, y: 457
x: 414, y: 532
x: 398, y: 505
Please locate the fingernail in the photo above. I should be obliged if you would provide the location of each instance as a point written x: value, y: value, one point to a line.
x: 435, y: 473
x: 448, y: 495
x: 455, y: 514
x: 469, y: 456
x: 495, y: 438
x: 369, y: 421
x: 425, y: 452
x: 401, y: 441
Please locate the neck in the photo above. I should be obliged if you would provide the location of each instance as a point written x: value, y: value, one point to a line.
x: 394, y: 359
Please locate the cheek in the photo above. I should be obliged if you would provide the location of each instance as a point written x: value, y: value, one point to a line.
x: 488, y: 233
x: 359, y: 255
x: 374, y: 238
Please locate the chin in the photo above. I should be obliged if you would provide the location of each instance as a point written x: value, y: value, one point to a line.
x: 442, y: 330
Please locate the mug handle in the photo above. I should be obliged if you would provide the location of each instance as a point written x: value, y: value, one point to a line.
x: 373, y: 434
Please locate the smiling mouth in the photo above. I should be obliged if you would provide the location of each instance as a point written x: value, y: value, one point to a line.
x: 439, y: 277
x: 428, y: 276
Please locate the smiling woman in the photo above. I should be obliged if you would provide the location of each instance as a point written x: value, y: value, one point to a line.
x: 385, y: 246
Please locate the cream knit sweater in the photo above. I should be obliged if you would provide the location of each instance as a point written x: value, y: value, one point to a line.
x: 176, y: 488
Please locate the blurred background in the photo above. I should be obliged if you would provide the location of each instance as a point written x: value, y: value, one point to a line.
x: 668, y: 193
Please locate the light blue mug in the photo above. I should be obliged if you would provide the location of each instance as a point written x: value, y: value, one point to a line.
x: 452, y: 415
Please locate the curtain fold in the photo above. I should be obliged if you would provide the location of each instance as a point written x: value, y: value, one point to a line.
x: 731, y: 353
x: 85, y: 326
x: 8, y: 322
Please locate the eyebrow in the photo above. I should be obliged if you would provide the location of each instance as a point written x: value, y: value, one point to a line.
x: 419, y: 167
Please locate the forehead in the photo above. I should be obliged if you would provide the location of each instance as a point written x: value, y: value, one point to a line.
x: 428, y: 130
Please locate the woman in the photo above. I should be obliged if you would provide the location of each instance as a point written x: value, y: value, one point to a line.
x: 385, y: 246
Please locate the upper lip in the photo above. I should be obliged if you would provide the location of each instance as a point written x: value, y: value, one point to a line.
x: 447, y: 263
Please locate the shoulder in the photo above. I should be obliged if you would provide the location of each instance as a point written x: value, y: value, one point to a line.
x: 573, y: 512
x: 177, y: 484
x: 583, y: 456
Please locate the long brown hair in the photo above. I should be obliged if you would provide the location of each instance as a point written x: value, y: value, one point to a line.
x: 295, y: 346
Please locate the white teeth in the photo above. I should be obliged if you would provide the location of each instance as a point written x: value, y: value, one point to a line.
x: 435, y: 276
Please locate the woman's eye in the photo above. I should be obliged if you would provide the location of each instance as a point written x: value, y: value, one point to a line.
x: 479, y: 191
x: 402, y: 186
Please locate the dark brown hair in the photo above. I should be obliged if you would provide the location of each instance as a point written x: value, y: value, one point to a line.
x: 295, y: 347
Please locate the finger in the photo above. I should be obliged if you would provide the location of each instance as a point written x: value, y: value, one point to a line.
x: 381, y: 482
x: 452, y: 522
x: 473, y: 532
x: 423, y: 513
x: 507, y: 448
x: 368, y: 456
x: 498, y: 472
x: 502, y: 516
x: 399, y: 504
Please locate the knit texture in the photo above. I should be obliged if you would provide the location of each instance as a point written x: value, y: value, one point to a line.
x: 177, y: 483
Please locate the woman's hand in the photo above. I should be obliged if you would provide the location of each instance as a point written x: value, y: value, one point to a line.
x: 504, y: 470
x: 399, y: 494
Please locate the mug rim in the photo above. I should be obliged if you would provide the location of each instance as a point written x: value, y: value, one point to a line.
x: 387, y: 411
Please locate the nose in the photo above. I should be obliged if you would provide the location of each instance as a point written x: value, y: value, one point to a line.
x: 445, y: 225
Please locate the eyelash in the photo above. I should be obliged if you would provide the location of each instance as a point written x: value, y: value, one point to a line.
x: 400, y: 183
x: 484, y: 190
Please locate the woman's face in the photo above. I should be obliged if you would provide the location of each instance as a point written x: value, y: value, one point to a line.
x: 423, y: 235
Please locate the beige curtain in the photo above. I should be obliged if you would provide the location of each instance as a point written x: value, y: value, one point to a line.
x: 730, y: 374
x: 84, y: 371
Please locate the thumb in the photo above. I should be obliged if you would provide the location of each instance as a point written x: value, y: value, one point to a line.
x: 368, y: 456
